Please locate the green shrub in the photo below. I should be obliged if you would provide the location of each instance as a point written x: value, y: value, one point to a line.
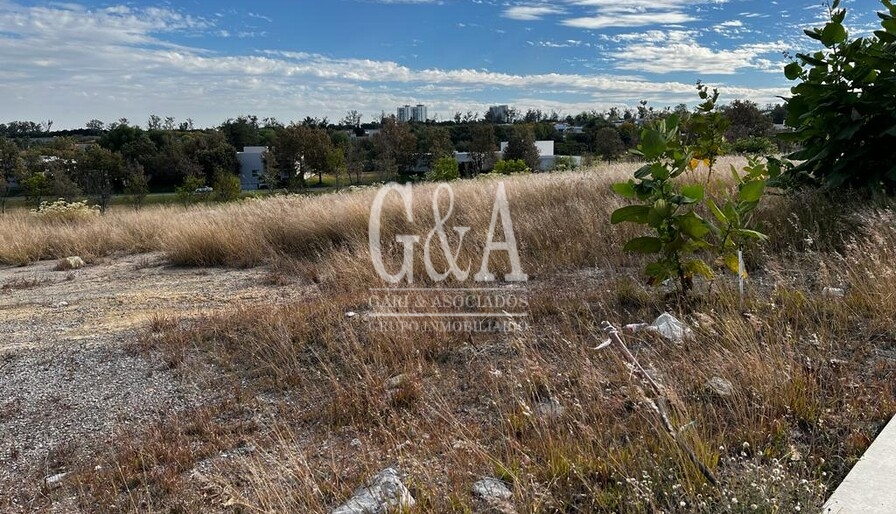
x: 506, y: 167
x: 668, y: 202
x: 753, y: 145
x: 227, y: 187
x: 445, y: 169
x: 564, y: 163
x: 842, y: 109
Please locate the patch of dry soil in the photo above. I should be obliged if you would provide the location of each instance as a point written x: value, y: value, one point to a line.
x: 67, y: 379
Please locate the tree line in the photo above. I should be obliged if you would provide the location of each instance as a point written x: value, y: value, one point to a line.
x: 121, y: 157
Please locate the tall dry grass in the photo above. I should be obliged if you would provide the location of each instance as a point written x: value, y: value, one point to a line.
x: 546, y: 209
x: 568, y: 427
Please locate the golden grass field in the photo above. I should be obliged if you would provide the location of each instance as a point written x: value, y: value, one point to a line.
x: 326, y: 400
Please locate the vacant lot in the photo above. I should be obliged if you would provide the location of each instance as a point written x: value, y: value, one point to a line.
x: 225, y: 359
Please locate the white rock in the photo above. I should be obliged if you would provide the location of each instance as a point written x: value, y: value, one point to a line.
x: 720, y: 386
x: 382, y: 494
x: 492, y: 489
x: 833, y: 292
x: 54, y: 481
x: 75, y: 262
x: 669, y: 327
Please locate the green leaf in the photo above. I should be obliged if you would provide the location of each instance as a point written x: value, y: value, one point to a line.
x: 653, y: 144
x: 752, y: 234
x: 659, y: 171
x: 751, y: 191
x: 793, y: 71
x: 643, y: 172
x: 833, y: 34
x: 644, y: 245
x: 698, y: 267
x: 694, y: 191
x: 633, y: 213
x: 625, y: 189
x: 693, y: 225
x: 659, y: 271
x: 714, y: 209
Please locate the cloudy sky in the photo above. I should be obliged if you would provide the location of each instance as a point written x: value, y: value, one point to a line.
x: 211, y: 60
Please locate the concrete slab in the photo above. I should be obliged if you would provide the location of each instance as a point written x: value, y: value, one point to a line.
x: 870, y: 488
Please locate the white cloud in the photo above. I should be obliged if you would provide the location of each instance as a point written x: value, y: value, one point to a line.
x: 530, y: 12
x: 71, y: 64
x: 679, y: 51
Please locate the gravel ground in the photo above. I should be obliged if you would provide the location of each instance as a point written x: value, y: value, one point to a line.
x: 67, y: 379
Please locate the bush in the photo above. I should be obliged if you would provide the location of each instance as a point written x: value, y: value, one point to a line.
x: 564, y: 163
x: 65, y: 212
x: 445, y: 169
x: 753, y: 145
x: 227, y: 187
x: 841, y: 110
x: 506, y: 167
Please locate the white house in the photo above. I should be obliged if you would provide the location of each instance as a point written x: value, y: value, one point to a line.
x: 251, y: 167
x: 546, y: 157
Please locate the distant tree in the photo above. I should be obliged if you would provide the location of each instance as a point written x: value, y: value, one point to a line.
x: 95, y: 126
x: 118, y: 135
x: 356, y: 157
x: 10, y: 166
x: 169, y: 123
x: 136, y: 184
x: 395, y: 146
x: 186, y: 192
x: 154, y: 122
x: 630, y: 134
x: 434, y: 142
x: 336, y: 165
x: 608, y: 143
x: 746, y: 120
x: 301, y: 150
x: 98, y: 172
x: 242, y: 131
x: 483, y: 147
x: 4, y: 193
x: 352, y: 119
x: 521, y: 145
x: 226, y: 186
x: 212, y: 152
x: 778, y: 114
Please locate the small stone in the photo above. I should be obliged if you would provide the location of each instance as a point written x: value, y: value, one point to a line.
x: 492, y: 488
x: 54, y: 481
x: 396, y: 381
x: 833, y: 292
x: 384, y: 493
x: 59, y: 305
x: 75, y: 262
x: 351, y: 314
x: 549, y: 409
x: 703, y: 320
x: 720, y: 387
x: 355, y: 442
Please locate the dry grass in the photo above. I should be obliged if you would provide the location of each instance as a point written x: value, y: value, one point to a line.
x: 327, y: 399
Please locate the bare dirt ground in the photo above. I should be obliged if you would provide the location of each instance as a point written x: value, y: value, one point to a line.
x: 68, y: 377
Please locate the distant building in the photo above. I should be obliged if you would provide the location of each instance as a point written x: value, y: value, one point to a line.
x: 412, y: 113
x: 546, y: 158
x: 499, y: 114
x: 251, y: 161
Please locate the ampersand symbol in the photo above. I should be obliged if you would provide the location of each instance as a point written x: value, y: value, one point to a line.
x: 450, y: 257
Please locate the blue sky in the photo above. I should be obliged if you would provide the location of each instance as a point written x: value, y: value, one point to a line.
x: 74, y: 61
